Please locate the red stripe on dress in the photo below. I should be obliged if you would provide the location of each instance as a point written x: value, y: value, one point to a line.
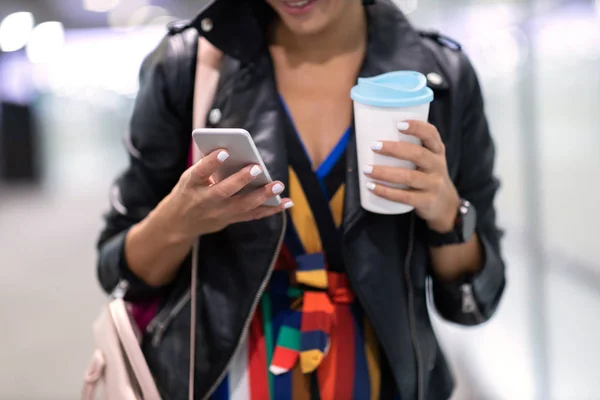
x: 284, y: 358
x: 257, y: 361
x: 285, y: 261
x: 344, y: 335
x: 327, y: 371
x: 316, y: 321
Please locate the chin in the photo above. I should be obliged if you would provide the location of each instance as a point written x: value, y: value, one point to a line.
x: 307, y: 17
x: 307, y: 28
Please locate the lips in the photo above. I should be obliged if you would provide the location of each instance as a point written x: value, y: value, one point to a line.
x: 297, y: 6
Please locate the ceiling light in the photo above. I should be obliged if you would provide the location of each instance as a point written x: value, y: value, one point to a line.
x: 15, y: 30
x: 47, y: 40
x: 100, y: 5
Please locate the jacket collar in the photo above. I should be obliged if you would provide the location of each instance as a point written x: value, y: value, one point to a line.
x: 238, y: 28
x: 393, y: 43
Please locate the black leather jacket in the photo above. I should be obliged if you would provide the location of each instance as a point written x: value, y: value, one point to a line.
x: 386, y: 257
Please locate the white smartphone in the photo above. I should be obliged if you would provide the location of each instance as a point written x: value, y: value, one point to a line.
x: 242, y: 152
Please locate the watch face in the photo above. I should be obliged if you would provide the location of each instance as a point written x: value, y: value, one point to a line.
x: 468, y: 220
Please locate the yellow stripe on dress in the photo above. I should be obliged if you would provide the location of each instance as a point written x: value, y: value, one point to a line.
x: 302, y: 216
x: 337, y: 205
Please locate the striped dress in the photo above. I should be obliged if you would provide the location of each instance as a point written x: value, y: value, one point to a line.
x: 309, y: 339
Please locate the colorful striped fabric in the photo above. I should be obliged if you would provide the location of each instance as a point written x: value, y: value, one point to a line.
x: 310, y: 339
x: 305, y: 334
x: 351, y: 366
x: 247, y: 378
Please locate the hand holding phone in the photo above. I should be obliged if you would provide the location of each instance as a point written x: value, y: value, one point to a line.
x: 207, y: 198
x: 242, y: 153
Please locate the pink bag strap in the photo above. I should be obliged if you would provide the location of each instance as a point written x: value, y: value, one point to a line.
x: 132, y: 349
x: 205, y: 88
x: 92, y: 376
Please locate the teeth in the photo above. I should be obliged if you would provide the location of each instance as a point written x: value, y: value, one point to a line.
x: 297, y: 4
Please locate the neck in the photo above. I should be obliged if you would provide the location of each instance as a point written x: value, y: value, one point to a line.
x: 337, y: 38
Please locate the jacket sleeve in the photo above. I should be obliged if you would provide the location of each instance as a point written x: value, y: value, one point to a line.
x: 476, y: 183
x: 157, y: 145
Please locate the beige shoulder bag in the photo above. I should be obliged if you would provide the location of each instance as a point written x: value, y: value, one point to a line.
x: 118, y: 364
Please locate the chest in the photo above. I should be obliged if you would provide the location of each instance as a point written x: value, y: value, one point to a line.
x: 318, y: 101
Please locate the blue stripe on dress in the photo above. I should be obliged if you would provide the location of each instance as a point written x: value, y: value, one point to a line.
x: 280, y: 306
x: 310, y: 262
x: 362, y: 382
x: 314, y: 340
x: 333, y: 157
x: 222, y: 392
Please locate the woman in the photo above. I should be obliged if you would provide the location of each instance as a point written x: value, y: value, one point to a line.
x: 357, y: 326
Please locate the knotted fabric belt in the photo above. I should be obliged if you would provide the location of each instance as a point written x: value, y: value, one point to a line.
x: 320, y: 312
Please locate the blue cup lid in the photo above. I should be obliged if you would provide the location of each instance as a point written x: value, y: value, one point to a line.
x: 393, y: 89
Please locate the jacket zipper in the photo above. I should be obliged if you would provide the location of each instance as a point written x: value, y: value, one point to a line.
x: 159, y: 324
x: 411, y: 308
x: 261, y: 290
x: 469, y: 304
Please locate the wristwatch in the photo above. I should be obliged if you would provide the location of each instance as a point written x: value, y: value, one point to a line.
x: 464, y: 227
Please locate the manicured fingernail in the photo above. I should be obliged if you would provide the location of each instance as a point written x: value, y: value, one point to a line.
x: 371, y: 186
x: 288, y: 205
x: 368, y: 169
x: 255, y: 171
x: 402, y: 126
x: 376, y: 146
x: 222, y: 156
x: 278, y: 188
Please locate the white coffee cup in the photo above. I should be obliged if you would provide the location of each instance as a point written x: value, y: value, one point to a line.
x: 380, y: 103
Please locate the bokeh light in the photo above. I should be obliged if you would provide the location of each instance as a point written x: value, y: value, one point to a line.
x: 100, y: 5
x: 499, y: 52
x: 144, y: 15
x: 121, y: 16
x: 15, y: 30
x: 46, y: 42
x: 570, y: 40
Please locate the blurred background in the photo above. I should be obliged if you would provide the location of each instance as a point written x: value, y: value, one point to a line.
x: 68, y: 77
